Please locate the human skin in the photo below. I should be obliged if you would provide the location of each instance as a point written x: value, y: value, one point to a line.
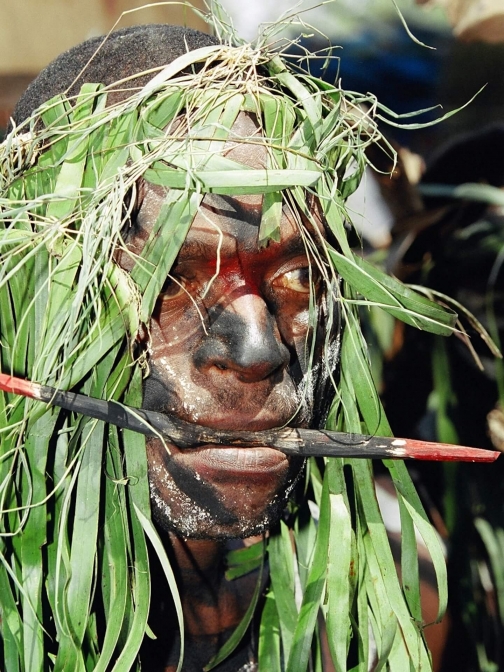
x: 228, y: 344
x: 228, y: 348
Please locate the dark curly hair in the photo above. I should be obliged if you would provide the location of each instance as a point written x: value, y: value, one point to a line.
x: 124, y: 53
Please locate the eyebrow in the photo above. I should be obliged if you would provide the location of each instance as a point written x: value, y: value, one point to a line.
x: 195, y: 249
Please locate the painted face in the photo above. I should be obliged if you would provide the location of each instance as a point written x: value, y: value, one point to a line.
x: 228, y: 349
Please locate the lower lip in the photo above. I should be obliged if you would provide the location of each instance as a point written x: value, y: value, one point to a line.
x: 229, y: 461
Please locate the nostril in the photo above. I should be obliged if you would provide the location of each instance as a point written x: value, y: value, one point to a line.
x: 257, y: 371
x: 249, y: 348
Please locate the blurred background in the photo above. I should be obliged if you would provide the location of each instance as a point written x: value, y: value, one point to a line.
x: 33, y: 33
x: 437, y: 219
x: 376, y: 53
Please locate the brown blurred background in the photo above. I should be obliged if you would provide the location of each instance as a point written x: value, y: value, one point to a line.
x: 32, y: 33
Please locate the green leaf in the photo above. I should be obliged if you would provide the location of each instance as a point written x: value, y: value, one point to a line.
x: 269, y: 636
x: 408, y: 497
x: 230, y: 645
x: 162, y: 110
x: 137, y: 512
x: 244, y: 560
x: 116, y: 147
x: 309, y: 100
x: 424, y: 124
x: 179, y: 64
x: 271, y: 218
x: 357, y: 376
x: 281, y: 562
x: 391, y: 610
x: 338, y: 568
x: 303, y: 635
x: 84, y: 533
x: 407, y: 29
x: 33, y: 539
x: 11, y: 624
x: 114, y: 561
x: 233, y: 183
x: 410, y: 576
x: 279, y: 119
x: 334, y: 212
x: 140, y: 598
x: 394, y: 297
x: 350, y: 183
x: 71, y: 173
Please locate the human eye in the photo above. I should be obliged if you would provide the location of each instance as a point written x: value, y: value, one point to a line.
x: 298, y: 280
x: 173, y: 287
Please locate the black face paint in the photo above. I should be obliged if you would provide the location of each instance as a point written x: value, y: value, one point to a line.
x: 202, y: 494
x: 233, y: 343
x: 158, y: 392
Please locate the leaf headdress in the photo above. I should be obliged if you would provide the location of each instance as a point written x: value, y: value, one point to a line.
x: 74, y: 496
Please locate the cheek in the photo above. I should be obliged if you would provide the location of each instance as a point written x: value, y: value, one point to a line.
x: 173, y: 326
x: 300, y: 324
x: 174, y: 335
x: 299, y: 329
x: 295, y: 323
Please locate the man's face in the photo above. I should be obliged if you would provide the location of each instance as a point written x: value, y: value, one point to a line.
x: 228, y: 347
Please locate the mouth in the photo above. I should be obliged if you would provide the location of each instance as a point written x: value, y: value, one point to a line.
x: 222, y: 463
x: 223, y: 481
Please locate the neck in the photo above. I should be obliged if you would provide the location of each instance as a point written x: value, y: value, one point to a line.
x: 212, y: 605
x: 197, y: 560
x: 202, y: 585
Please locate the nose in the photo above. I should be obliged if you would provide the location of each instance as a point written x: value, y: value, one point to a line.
x: 243, y: 338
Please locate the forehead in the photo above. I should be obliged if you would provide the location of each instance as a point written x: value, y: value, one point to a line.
x: 223, y: 224
x: 238, y: 217
x: 232, y: 224
x: 244, y: 142
x: 229, y: 218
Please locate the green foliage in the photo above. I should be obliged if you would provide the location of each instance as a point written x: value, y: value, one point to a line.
x: 455, y: 402
x: 74, y: 499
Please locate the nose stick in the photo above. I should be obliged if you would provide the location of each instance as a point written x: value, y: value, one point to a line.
x: 289, y: 440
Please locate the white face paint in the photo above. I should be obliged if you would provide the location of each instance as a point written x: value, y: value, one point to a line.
x: 230, y: 343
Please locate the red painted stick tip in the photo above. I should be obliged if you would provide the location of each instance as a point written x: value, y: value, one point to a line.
x: 445, y: 452
x: 19, y: 386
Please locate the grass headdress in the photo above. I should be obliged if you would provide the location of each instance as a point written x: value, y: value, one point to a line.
x: 74, y: 497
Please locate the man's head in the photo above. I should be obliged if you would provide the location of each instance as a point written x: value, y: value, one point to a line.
x: 236, y: 332
x: 229, y: 349
x: 125, y: 53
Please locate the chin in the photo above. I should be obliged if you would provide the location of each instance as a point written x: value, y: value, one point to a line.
x: 217, y: 505
x: 201, y: 525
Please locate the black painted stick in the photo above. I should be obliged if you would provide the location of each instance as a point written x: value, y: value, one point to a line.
x: 291, y: 441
